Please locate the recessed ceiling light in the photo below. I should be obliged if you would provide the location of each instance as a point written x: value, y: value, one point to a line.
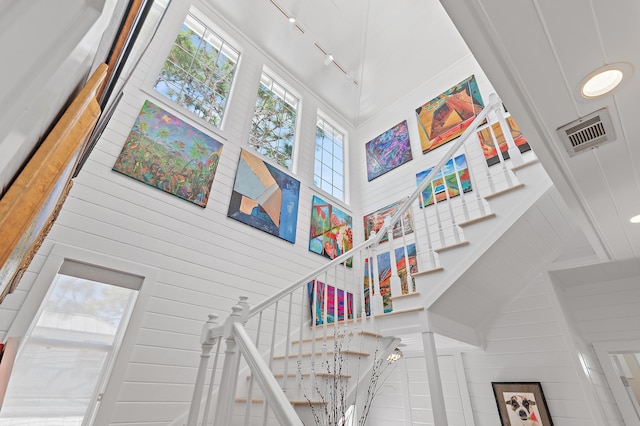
x: 635, y: 219
x: 604, y: 80
x: 292, y: 19
x: 602, y: 83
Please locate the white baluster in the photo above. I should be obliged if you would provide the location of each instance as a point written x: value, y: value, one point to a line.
x: 432, y: 258
x: 247, y: 414
x: 208, y: 414
x: 465, y: 209
x: 377, y: 303
x: 271, y: 354
x: 287, y: 346
x: 207, y: 341
x: 514, y: 151
x: 474, y: 184
x: 503, y: 164
x: 395, y: 284
x: 454, y: 226
x: 437, y: 210
x: 410, y: 286
x: 229, y: 377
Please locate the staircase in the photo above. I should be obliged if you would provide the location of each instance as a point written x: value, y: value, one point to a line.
x: 300, y: 368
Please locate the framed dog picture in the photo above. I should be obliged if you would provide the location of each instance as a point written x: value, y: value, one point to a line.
x: 521, y: 404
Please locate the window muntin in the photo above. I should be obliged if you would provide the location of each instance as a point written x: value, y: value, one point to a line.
x: 274, y: 121
x: 199, y: 71
x: 328, y: 171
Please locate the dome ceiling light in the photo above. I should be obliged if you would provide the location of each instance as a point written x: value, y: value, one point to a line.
x: 604, y: 80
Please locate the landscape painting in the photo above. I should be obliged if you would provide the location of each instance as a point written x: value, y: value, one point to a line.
x: 456, y: 176
x: 331, y: 233
x: 388, y: 151
x: 332, y: 299
x: 384, y: 275
x: 446, y: 116
x: 488, y: 144
x: 265, y: 197
x: 374, y: 221
x: 165, y: 152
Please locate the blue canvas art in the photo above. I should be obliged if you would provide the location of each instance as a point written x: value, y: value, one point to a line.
x: 265, y: 197
x: 388, y: 151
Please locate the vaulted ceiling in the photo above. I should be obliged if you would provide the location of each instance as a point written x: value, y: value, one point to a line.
x: 534, y: 52
x: 382, y: 50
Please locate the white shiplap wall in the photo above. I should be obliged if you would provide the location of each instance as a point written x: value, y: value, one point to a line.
x: 204, y: 259
x: 527, y: 342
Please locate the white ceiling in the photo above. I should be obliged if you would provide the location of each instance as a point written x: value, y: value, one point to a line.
x: 388, y: 48
x: 535, y: 53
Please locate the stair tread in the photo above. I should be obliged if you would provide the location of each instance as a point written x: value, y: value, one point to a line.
x: 451, y: 247
x: 477, y: 219
x: 427, y: 272
x: 318, y: 374
x: 307, y: 354
x: 405, y: 295
x: 398, y: 312
x: 331, y: 336
x: 524, y: 165
x: 293, y: 402
x: 504, y: 191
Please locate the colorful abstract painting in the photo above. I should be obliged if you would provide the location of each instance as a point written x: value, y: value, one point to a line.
x: 388, y: 151
x: 374, y: 221
x: 456, y: 176
x: 331, y: 233
x: 265, y: 197
x: 446, y: 116
x: 332, y: 299
x: 167, y: 153
x: 488, y: 144
x: 384, y: 275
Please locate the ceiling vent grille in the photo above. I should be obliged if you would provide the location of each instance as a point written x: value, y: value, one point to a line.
x: 587, y: 132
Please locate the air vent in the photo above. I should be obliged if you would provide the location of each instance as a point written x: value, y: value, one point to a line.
x: 587, y: 132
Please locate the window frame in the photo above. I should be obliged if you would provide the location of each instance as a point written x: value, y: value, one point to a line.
x: 287, y: 89
x: 100, y: 408
x: 336, y: 128
x: 170, y: 29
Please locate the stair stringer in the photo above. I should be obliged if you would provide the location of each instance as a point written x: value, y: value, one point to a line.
x: 508, y: 207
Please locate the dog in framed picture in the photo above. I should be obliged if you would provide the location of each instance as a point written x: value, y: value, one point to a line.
x: 522, y: 409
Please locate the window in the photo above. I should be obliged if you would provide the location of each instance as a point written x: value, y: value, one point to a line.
x: 199, y: 70
x: 69, y: 349
x: 328, y: 171
x: 274, y: 122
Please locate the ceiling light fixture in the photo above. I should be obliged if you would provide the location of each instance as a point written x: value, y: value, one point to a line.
x: 635, y: 219
x: 328, y: 59
x: 604, y: 80
x: 292, y: 19
x: 394, y: 356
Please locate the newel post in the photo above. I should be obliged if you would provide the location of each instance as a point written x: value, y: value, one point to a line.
x: 207, y: 340
x: 229, y: 376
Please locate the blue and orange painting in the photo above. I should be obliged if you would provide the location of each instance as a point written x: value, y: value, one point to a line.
x: 456, y: 178
x: 265, y: 197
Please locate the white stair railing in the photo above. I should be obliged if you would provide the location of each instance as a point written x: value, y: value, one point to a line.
x: 281, y: 318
